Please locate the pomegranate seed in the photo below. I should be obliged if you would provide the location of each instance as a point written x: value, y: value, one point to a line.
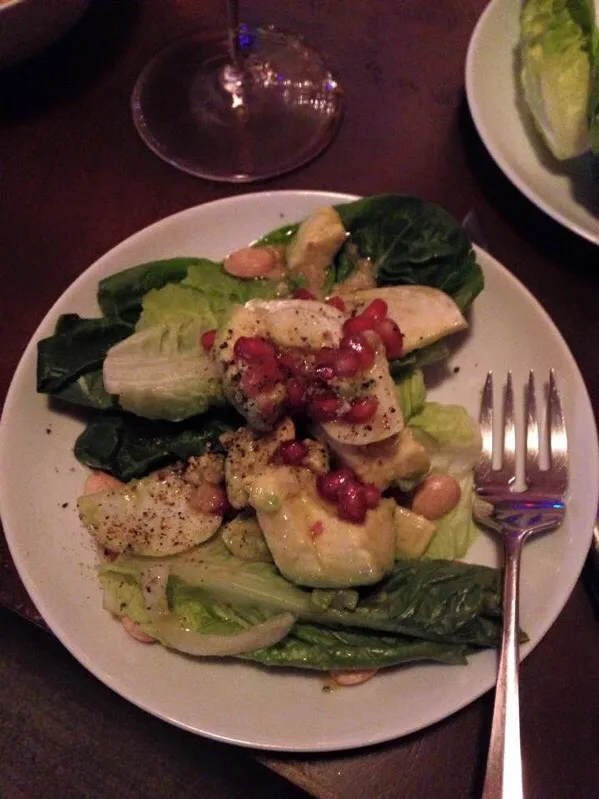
x: 351, y: 503
x: 324, y: 408
x: 296, y: 391
x: 326, y: 356
x: 372, y: 495
x: 325, y: 372
x: 317, y: 528
x: 361, y: 411
x: 260, y: 379
x: 253, y: 348
x: 287, y: 362
x: 347, y: 363
x: 336, y: 302
x: 391, y: 336
x: 207, y: 339
x: 358, y: 344
x: 357, y: 324
x: 292, y: 453
x: 376, y: 310
x: 330, y: 484
x: 303, y: 294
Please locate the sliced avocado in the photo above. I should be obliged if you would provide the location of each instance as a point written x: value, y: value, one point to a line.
x: 153, y: 516
x: 244, y: 322
x: 249, y: 452
x: 388, y: 419
x: 422, y: 313
x: 287, y: 323
x: 312, y: 250
x: 311, y: 546
x: 383, y: 463
x: 244, y: 538
x: 307, y: 324
x: 413, y: 533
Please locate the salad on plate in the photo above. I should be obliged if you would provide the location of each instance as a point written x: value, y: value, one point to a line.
x: 269, y: 481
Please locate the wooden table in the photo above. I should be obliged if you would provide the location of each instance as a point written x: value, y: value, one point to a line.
x: 75, y: 179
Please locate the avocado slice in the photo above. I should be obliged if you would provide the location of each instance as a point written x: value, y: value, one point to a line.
x: 413, y: 533
x: 383, y: 463
x: 306, y: 324
x: 249, y: 452
x: 311, y: 252
x: 388, y: 419
x: 422, y: 313
x: 154, y: 516
x: 310, y: 545
x: 244, y: 538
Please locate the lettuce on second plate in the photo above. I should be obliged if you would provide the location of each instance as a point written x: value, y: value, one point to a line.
x: 558, y: 42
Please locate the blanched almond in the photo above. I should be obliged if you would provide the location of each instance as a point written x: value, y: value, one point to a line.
x: 250, y: 262
x: 436, y: 495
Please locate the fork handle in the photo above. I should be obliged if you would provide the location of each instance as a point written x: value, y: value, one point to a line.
x: 503, y: 777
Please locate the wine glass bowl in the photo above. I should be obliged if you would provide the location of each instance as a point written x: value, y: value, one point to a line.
x: 240, y: 106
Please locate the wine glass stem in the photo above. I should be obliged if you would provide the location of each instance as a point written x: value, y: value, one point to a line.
x: 233, y: 32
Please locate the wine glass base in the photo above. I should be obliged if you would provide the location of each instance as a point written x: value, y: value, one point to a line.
x: 195, y: 111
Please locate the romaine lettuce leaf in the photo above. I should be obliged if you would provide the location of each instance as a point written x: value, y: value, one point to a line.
x: 451, y: 436
x: 411, y: 392
x: 307, y: 646
x: 414, y: 242
x: 69, y: 363
x: 456, y: 531
x: 120, y: 295
x: 163, y: 372
x: 128, y: 446
x: 175, y: 303
x: 222, y: 290
x: 556, y: 65
x: 433, y: 600
x: 453, y: 440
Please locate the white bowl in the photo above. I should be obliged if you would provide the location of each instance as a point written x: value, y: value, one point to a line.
x: 28, y: 26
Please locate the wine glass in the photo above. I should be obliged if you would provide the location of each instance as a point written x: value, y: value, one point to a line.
x: 241, y: 106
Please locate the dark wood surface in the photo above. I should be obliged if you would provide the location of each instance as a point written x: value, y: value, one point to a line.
x: 74, y: 181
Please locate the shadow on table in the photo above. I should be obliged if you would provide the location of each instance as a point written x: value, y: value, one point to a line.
x: 63, y: 70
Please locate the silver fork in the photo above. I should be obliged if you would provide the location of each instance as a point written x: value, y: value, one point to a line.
x: 515, y: 515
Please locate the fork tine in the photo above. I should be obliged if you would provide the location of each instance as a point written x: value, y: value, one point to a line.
x: 533, y: 443
x: 558, y: 437
x: 508, y: 462
x: 485, y: 462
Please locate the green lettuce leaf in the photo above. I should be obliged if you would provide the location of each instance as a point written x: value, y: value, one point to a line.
x: 69, y: 363
x: 432, y: 600
x: 414, y: 242
x: 451, y: 436
x: 175, y: 303
x: 164, y: 372
x: 456, y: 531
x: 129, y: 447
x: 556, y: 66
x: 222, y: 290
x: 120, y: 295
x: 411, y: 392
x: 307, y: 646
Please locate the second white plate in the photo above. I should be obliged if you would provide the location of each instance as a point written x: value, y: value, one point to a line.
x: 566, y: 191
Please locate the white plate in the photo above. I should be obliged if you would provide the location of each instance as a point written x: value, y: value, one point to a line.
x: 566, y: 191
x: 231, y: 701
